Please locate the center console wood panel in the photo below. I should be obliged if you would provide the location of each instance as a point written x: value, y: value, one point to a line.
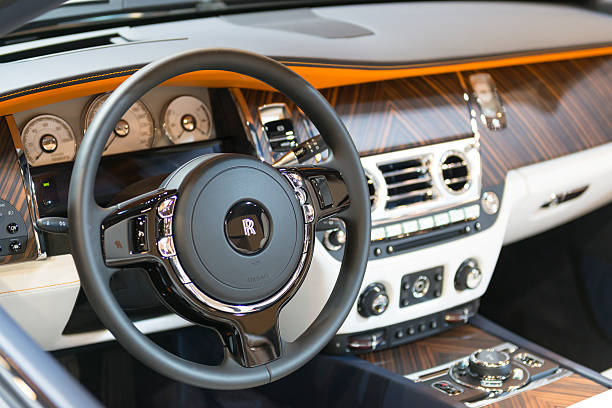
x: 433, y: 351
x: 462, y: 341
x: 561, y: 393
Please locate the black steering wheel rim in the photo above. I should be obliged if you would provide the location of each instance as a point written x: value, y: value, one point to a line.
x: 86, y: 216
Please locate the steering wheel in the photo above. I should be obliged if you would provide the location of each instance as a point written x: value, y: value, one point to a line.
x: 226, y: 239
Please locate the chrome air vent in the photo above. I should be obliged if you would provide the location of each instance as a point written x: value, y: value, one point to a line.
x: 408, y: 182
x: 418, y: 181
x: 372, y: 191
x: 455, y: 172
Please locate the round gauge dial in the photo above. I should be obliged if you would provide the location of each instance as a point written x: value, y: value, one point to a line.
x: 187, y: 119
x: 134, y: 131
x: 48, y: 139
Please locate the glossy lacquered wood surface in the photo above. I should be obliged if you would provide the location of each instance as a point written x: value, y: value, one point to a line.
x: 390, y: 115
x: 561, y: 393
x: 553, y: 109
x: 13, y: 191
x: 464, y: 340
x: 433, y: 351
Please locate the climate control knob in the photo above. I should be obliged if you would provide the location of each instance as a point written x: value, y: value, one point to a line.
x: 334, y: 239
x: 468, y: 275
x: 373, y: 300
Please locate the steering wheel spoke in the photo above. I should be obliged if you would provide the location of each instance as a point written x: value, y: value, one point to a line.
x: 255, y: 338
x: 320, y: 190
x: 138, y: 230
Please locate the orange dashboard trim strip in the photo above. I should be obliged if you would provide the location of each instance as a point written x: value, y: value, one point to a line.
x: 40, y: 287
x: 319, y: 75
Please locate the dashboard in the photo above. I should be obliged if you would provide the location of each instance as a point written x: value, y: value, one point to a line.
x: 174, y: 122
x: 462, y: 154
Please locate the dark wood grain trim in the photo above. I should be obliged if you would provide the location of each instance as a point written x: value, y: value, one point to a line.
x: 553, y: 109
x: 433, y: 351
x: 561, y: 393
x: 389, y: 115
x: 13, y: 191
x: 462, y: 341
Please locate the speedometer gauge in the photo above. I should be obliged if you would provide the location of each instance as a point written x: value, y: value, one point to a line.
x: 134, y: 131
x: 187, y: 119
x: 48, y: 139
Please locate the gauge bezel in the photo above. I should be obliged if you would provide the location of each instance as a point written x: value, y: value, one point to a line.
x: 208, y: 135
x: 102, y: 97
x: 64, y: 124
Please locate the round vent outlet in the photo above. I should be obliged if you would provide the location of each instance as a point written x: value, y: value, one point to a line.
x: 371, y: 190
x: 455, y: 172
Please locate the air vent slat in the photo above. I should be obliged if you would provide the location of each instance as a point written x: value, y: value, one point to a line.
x: 400, y: 197
x: 448, y: 166
x: 408, y: 182
x: 417, y: 169
x: 455, y: 180
x: 455, y: 172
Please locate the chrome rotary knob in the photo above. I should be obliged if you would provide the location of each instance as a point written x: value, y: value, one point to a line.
x: 490, y: 363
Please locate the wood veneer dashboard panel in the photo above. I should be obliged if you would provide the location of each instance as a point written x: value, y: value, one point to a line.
x: 13, y: 191
x: 390, y: 115
x: 553, y: 109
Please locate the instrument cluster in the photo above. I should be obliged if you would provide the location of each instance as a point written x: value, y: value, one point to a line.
x: 163, y: 117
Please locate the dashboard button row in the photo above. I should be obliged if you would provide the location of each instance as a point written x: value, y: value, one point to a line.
x: 426, y: 223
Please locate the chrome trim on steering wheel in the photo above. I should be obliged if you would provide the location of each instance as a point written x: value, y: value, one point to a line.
x: 166, y: 212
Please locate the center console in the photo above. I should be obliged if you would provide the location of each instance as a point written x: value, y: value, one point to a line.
x: 482, y: 364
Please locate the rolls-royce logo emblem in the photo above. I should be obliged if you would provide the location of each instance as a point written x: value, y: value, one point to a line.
x: 248, y: 225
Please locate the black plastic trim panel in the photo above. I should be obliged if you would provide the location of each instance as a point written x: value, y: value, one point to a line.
x: 411, y: 330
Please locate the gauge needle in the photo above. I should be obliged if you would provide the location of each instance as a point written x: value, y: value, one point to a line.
x: 110, y: 142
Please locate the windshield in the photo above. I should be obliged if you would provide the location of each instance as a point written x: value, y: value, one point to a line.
x: 79, y: 15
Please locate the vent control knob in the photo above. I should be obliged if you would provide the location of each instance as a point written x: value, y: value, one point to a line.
x: 334, y: 239
x: 468, y: 275
x: 373, y: 301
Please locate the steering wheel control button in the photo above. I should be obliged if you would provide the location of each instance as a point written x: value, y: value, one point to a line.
x: 166, y: 247
x: 309, y: 213
x: 323, y: 191
x: 165, y: 209
x: 248, y: 227
x: 138, y: 232
x: 373, y: 300
x: 295, y: 180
